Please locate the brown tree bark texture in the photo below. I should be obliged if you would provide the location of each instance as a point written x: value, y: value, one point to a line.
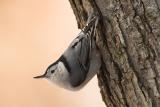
x: 128, y: 37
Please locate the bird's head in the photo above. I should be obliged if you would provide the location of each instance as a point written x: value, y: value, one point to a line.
x: 48, y: 73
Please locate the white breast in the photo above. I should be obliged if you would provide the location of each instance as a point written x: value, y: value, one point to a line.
x: 61, y: 76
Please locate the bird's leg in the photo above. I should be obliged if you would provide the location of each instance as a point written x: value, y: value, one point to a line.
x: 92, y: 21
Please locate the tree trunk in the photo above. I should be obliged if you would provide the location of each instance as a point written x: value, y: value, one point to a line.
x: 128, y: 37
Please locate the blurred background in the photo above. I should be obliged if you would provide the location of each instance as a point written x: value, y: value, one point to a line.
x: 33, y: 34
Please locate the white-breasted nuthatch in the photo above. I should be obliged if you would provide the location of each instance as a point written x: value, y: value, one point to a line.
x: 79, y: 63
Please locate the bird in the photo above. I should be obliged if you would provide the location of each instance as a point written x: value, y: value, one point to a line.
x: 79, y: 63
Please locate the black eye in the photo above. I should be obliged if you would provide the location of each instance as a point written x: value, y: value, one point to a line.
x: 52, y: 71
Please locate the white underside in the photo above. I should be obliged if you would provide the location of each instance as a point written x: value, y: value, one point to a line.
x: 61, y: 77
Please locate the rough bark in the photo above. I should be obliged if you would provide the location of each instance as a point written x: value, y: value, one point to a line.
x: 128, y: 37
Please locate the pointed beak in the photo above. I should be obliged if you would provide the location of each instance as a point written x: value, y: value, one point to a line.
x: 41, y: 76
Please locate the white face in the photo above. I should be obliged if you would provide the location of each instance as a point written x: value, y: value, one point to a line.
x: 51, y: 71
x: 59, y: 75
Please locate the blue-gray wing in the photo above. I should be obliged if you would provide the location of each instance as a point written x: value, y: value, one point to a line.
x: 78, y: 53
x: 83, y: 47
x: 81, y: 54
